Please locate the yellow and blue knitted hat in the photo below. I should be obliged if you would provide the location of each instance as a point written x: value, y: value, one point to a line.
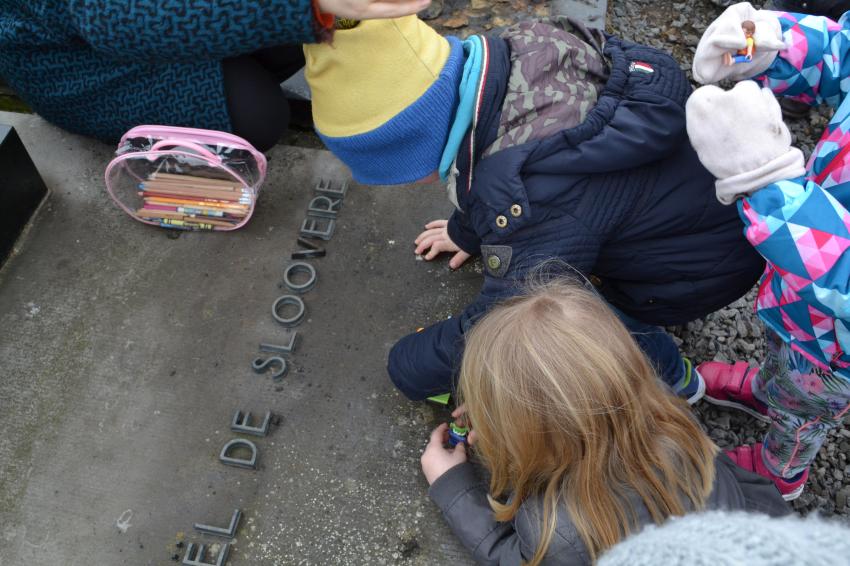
x: 384, y: 96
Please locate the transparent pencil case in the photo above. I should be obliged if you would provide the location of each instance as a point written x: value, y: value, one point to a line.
x: 186, y: 178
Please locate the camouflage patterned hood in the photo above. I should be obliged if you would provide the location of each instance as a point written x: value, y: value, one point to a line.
x: 557, y: 72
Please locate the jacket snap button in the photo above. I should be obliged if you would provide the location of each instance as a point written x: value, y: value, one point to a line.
x: 516, y: 210
x: 501, y: 221
x: 493, y: 262
x: 651, y: 301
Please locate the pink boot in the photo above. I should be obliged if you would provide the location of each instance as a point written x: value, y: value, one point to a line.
x: 750, y: 458
x: 731, y: 385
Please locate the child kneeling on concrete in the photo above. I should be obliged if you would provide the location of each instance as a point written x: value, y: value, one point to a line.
x: 593, y: 448
x: 556, y: 142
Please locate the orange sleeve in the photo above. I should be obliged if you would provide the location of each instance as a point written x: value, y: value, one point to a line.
x: 325, y: 21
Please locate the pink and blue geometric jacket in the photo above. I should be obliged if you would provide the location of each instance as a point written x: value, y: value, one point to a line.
x: 802, y: 226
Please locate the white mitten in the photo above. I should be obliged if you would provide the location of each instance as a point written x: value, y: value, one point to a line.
x: 741, y: 139
x: 725, y: 35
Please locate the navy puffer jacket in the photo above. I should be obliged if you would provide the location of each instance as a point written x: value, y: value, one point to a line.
x: 622, y: 197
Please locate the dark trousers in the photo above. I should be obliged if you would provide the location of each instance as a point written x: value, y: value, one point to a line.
x: 259, y: 112
x: 658, y: 347
x: 653, y: 340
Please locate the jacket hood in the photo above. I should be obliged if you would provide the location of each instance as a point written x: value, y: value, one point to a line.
x: 639, y: 117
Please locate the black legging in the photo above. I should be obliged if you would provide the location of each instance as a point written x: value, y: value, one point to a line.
x: 258, y: 110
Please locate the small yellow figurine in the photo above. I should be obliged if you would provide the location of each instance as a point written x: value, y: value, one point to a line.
x: 743, y: 55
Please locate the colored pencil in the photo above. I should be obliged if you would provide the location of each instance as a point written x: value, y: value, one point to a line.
x: 192, y: 202
x: 200, y: 195
x: 171, y: 177
x: 160, y: 214
x: 198, y: 202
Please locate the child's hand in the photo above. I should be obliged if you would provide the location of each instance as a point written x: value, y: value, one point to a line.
x: 459, y: 415
x: 741, y: 139
x: 725, y: 35
x: 371, y: 9
x: 436, y: 237
x: 437, y: 460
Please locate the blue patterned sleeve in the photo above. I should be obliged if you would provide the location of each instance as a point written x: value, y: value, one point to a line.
x: 815, y: 62
x: 190, y: 29
x: 804, y: 231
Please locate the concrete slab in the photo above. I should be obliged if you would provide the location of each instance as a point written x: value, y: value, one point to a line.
x: 296, y: 86
x: 125, y: 353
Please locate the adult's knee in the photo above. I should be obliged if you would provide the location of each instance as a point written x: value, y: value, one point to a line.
x: 259, y: 112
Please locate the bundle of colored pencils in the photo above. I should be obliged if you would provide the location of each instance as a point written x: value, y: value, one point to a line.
x: 193, y: 203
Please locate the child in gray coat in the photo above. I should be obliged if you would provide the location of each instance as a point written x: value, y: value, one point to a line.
x: 582, y: 443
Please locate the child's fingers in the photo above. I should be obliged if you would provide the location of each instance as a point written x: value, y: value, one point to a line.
x: 438, y: 434
x: 394, y: 9
x: 433, y: 252
x: 458, y: 259
x: 436, y: 224
x: 427, y: 242
x: 459, y: 411
x: 432, y: 242
x: 437, y: 232
x: 460, y: 450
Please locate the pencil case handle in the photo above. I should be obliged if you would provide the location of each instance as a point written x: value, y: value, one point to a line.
x: 197, y: 148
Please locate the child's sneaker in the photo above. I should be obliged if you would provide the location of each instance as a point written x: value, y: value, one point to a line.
x: 691, y: 386
x: 731, y: 385
x: 749, y: 458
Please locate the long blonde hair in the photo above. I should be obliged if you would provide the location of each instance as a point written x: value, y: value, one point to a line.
x: 567, y: 407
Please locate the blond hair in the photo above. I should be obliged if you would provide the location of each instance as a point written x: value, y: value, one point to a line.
x: 567, y: 407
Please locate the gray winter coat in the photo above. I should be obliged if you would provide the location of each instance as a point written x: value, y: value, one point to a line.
x: 463, y: 499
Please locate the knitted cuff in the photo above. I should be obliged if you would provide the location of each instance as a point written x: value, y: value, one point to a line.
x: 789, y: 165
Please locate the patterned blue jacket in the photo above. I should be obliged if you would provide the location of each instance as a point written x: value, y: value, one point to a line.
x: 802, y: 226
x: 99, y: 67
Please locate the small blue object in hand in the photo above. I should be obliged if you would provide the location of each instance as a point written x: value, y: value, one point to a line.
x: 457, y: 434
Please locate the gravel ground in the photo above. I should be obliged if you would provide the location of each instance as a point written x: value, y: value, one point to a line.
x: 735, y: 333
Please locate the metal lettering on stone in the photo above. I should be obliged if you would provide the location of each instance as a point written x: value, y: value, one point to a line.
x: 324, y: 187
x: 281, y: 348
x: 193, y: 558
x: 324, y: 207
x: 228, y: 532
x: 241, y: 422
x: 311, y: 251
x: 284, y: 300
x: 299, y: 267
x: 261, y: 365
x: 250, y: 463
x: 313, y: 228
